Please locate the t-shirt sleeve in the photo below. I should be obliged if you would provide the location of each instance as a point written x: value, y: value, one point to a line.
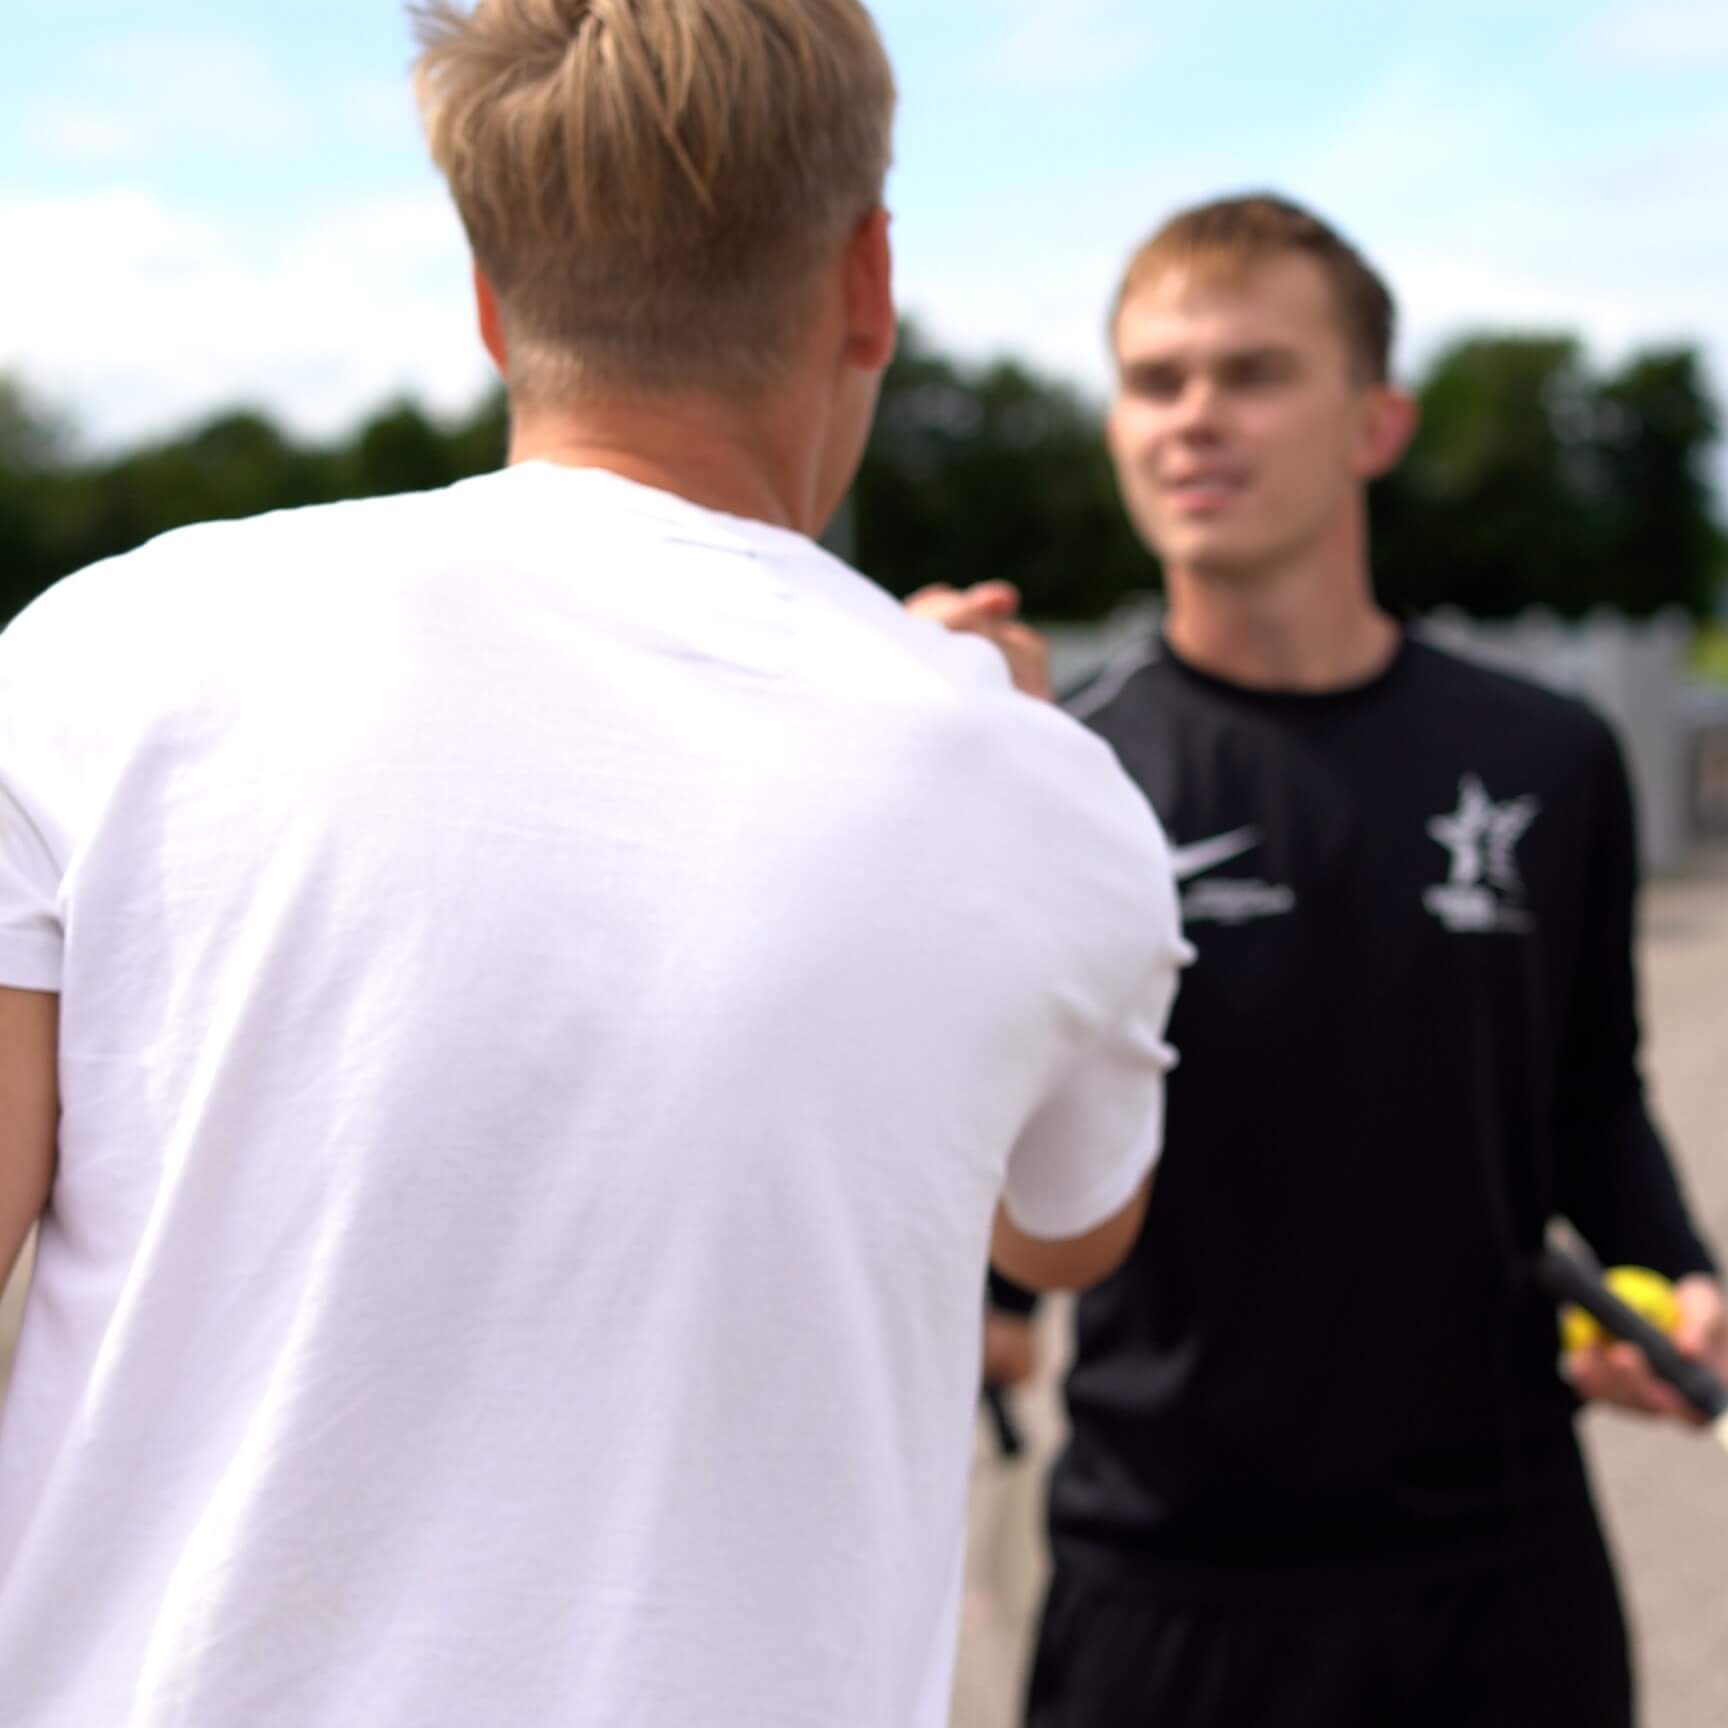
x: 1617, y: 1182
x: 30, y: 939
x: 1096, y: 1136
x: 30, y: 933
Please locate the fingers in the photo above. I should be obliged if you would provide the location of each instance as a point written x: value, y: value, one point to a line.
x: 1028, y: 657
x: 1700, y: 1328
x: 995, y: 599
x: 991, y: 610
x: 966, y: 609
x: 1617, y: 1374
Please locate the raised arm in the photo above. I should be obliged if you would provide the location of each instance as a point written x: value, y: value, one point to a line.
x: 29, y: 1115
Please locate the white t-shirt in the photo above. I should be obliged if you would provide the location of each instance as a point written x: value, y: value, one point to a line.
x: 553, y: 982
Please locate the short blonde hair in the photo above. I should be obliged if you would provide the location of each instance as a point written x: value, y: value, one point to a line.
x: 650, y: 186
x: 1232, y: 237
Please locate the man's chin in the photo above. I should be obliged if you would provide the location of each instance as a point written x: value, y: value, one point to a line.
x: 1217, y: 558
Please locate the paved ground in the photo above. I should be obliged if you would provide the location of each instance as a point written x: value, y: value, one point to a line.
x: 1667, y: 1495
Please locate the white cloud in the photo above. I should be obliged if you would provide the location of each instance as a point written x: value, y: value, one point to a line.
x: 379, y: 110
x: 84, y: 135
x: 212, y: 87
x: 1661, y: 35
x: 1481, y: 226
x: 1410, y: 142
x: 1041, y: 42
x: 1046, y: 307
x: 147, y: 91
x: 150, y: 316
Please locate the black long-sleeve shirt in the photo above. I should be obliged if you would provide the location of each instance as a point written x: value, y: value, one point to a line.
x: 1410, y: 1041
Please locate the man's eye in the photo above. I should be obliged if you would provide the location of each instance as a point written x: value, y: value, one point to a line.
x: 1156, y: 385
x: 1257, y: 375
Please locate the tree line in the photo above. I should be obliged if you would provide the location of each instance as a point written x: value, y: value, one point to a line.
x: 1535, y: 480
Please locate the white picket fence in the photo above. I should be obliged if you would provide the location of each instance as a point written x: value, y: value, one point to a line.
x: 1633, y: 671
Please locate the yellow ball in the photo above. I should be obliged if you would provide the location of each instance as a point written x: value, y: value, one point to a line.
x: 1578, y: 1331
x: 1648, y: 1294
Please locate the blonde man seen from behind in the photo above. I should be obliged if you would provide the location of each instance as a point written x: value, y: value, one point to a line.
x: 517, y: 1140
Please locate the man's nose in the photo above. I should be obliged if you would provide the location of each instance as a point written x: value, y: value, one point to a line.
x: 1199, y: 414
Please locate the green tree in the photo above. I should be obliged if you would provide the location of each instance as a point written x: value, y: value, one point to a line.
x: 1656, y: 428
x: 398, y: 450
x: 35, y: 448
x: 33, y: 439
x: 234, y: 465
x: 975, y: 474
x: 58, y: 514
x: 1501, y: 502
x: 481, y: 442
x: 1533, y: 482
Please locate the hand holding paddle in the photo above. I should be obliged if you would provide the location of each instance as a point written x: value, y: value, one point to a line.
x: 1674, y: 1372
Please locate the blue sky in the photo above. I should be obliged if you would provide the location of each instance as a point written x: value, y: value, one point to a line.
x: 207, y: 204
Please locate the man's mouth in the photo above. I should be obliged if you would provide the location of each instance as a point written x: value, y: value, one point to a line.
x: 1206, y: 489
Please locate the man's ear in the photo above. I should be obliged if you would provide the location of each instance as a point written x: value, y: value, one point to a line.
x: 1388, y: 425
x: 869, y: 274
x: 491, y: 325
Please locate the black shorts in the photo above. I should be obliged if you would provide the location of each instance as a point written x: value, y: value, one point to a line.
x: 1520, y: 1646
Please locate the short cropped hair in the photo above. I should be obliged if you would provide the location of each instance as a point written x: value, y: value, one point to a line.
x: 650, y: 186
x: 1232, y: 237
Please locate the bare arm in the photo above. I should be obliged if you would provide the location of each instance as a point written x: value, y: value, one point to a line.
x: 1072, y: 1262
x: 29, y: 1114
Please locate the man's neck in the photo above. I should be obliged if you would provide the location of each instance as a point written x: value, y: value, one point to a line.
x: 1311, y: 627
x: 702, y: 451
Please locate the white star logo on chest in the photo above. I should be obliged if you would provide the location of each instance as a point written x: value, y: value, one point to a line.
x: 1484, y: 893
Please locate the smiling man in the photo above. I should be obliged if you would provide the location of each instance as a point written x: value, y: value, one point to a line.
x: 1322, y: 1471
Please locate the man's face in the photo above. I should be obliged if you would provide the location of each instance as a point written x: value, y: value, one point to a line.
x: 1240, y: 431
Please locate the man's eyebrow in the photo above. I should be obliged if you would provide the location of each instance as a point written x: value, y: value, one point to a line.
x: 1256, y: 353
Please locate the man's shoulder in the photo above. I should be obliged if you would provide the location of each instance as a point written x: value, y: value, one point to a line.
x: 1126, y: 681
x: 1494, y: 691
x: 1149, y: 710
x: 206, y: 606
x: 1090, y: 816
x: 202, y: 560
x: 1053, y: 795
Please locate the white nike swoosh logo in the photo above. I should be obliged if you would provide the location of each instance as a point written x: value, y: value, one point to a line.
x: 1206, y: 855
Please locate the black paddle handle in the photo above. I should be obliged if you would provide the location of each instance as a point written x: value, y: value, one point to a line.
x: 1009, y: 1442
x: 1567, y: 1281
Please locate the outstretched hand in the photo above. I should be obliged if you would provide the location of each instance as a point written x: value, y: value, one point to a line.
x: 991, y: 610
x: 1616, y: 1373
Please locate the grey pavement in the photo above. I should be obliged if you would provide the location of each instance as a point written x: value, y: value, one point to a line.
x: 1666, y: 1493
